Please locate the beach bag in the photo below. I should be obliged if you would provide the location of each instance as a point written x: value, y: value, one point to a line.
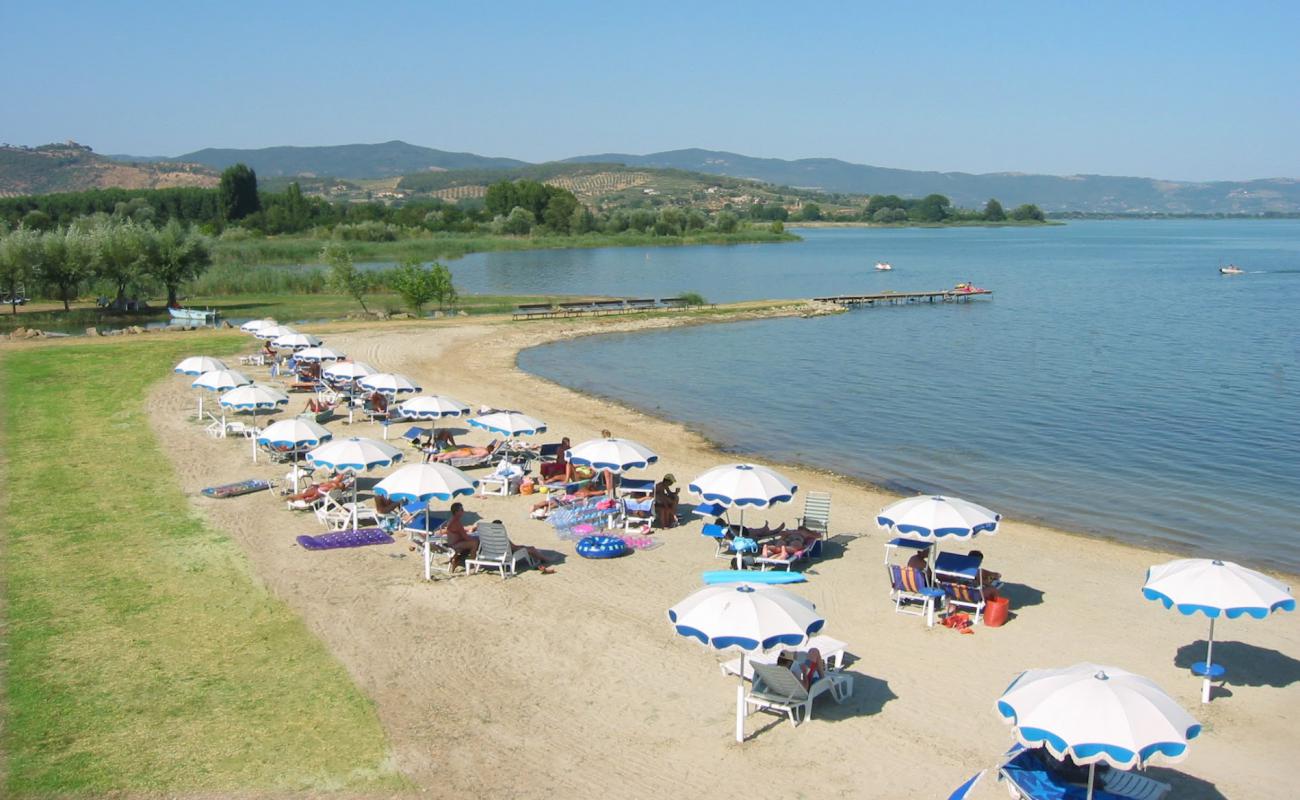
x: 527, y: 486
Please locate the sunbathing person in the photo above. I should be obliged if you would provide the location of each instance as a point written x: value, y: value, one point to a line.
x: 463, y: 452
x: 666, y: 499
x: 808, y: 667
x: 539, y: 559
x: 386, y: 505
x: 314, y: 491
x: 789, y: 544
x: 920, y: 560
x: 554, y: 500
x: 560, y: 466
x: 987, y: 578
x: 377, y: 404
x: 459, y: 537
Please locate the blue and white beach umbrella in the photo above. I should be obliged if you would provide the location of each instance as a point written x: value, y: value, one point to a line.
x: 219, y: 380
x: 389, y: 384
x: 1095, y: 714
x: 745, y: 617
x: 743, y: 485
x: 294, y: 434
x: 197, y: 365
x: 319, y: 353
x: 615, y: 455
x: 509, y: 423
x: 433, y: 406
x: 255, y: 325
x: 272, y: 332
x: 354, y: 454
x: 937, y: 519
x: 1215, y: 588
x: 253, y: 398
x: 347, y: 372
x: 422, y: 483
x: 295, y: 341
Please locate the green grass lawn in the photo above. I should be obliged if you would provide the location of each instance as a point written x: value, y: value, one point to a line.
x: 142, y: 655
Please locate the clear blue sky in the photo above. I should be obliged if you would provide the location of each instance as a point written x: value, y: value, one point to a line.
x: 1173, y: 90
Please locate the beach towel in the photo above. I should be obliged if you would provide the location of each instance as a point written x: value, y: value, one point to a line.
x: 337, y: 539
x: 237, y: 489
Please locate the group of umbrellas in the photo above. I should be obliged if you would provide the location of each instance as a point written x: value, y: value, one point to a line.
x: 1089, y: 713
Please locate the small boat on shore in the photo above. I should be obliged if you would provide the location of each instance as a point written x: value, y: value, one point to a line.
x: 884, y: 266
x: 193, y: 315
x: 1231, y: 269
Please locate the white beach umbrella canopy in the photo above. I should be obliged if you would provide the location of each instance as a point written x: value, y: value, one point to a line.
x: 347, y: 371
x: 1095, y: 714
x: 424, y: 482
x: 319, y: 353
x: 296, y: 432
x: 744, y: 485
x: 613, y: 454
x: 388, y: 383
x: 935, y: 518
x: 433, y: 406
x: 272, y: 332
x: 255, y: 325
x: 221, y: 380
x: 253, y: 397
x: 1215, y: 588
x: 295, y: 341
x: 745, y: 617
x: 509, y: 423
x: 355, y: 454
x: 197, y: 365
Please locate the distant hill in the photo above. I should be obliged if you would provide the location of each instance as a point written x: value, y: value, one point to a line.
x: 606, y: 186
x: 390, y: 159
x: 74, y: 168
x: 1092, y: 193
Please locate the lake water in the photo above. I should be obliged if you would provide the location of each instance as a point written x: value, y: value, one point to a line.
x: 1114, y: 384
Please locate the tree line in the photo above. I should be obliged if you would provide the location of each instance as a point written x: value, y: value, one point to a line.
x: 120, y: 253
x: 890, y: 208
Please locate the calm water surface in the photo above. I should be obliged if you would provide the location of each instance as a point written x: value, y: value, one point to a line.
x: 1115, y: 384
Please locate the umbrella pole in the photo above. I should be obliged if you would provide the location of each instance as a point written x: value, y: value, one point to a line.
x: 295, y: 470
x: 200, y: 406
x: 354, y: 503
x: 428, y: 554
x: 740, y: 701
x: 1209, y: 665
x: 254, y: 436
x: 1092, y: 776
x: 740, y: 564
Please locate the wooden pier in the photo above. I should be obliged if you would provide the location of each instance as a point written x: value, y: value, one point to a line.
x: 905, y: 298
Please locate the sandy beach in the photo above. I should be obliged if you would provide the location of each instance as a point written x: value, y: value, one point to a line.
x: 574, y: 684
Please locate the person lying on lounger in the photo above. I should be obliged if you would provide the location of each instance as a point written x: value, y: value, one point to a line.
x: 539, y: 559
x: 314, y: 491
x: 789, y: 544
x: 808, y: 667
x: 463, y: 452
x: 987, y: 578
x: 554, y: 500
x: 920, y: 560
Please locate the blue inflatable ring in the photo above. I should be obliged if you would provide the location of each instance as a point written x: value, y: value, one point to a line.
x: 601, y: 547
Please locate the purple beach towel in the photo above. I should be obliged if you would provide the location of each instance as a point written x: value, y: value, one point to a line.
x: 337, y: 539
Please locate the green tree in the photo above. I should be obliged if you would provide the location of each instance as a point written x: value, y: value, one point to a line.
x: 122, y: 253
x: 37, y: 220
x: 810, y: 212
x: 445, y: 290
x: 68, y: 260
x: 1027, y: 212
x: 777, y: 226
x: 344, y: 277
x: 558, y: 215
x: 20, y: 260
x: 932, y: 208
x: 993, y: 211
x: 237, y: 193
x: 520, y: 222
x: 727, y: 222
x: 182, y: 254
x: 417, y: 286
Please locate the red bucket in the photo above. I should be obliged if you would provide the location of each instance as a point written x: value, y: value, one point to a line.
x: 995, y: 611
